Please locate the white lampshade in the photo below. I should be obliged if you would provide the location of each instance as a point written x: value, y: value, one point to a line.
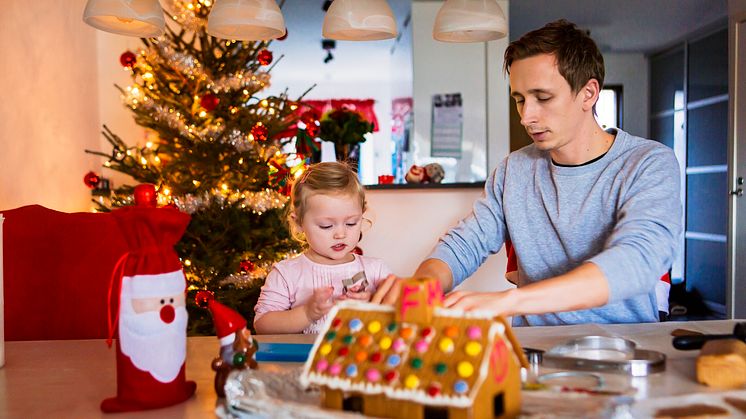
x: 143, y: 18
x: 246, y: 20
x: 359, y: 20
x: 470, y: 21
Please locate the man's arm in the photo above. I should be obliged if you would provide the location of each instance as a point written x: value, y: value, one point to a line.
x: 581, y: 288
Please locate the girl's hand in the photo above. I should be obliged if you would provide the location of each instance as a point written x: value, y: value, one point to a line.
x: 360, y: 296
x: 319, y: 304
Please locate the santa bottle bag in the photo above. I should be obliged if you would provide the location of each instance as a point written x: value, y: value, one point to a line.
x: 151, y: 316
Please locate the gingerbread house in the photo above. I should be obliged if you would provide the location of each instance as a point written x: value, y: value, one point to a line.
x: 416, y: 360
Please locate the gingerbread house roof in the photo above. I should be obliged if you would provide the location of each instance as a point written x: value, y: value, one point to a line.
x: 363, y: 348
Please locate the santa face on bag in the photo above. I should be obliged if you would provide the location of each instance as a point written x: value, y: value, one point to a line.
x: 152, y: 326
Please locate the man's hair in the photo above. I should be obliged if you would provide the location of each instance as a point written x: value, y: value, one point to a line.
x: 578, y: 57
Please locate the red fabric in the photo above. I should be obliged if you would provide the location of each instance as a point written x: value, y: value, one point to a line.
x: 56, y: 272
x: 364, y: 106
x: 150, y: 234
x: 148, y: 393
x: 512, y: 259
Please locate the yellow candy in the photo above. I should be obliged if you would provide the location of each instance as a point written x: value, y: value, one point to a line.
x: 325, y: 349
x: 473, y: 348
x: 374, y: 326
x: 385, y: 343
x: 411, y: 381
x: 465, y: 369
x: 446, y: 345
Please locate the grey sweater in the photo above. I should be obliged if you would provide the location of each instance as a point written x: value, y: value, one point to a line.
x: 621, y: 212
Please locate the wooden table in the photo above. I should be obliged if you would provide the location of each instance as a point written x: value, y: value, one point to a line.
x: 68, y: 379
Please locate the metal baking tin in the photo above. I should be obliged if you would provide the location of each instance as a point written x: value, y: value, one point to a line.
x: 604, y: 354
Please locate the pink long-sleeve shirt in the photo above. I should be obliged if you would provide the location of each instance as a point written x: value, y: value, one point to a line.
x: 291, y: 282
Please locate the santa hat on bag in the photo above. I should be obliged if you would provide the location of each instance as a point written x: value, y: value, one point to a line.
x: 151, y: 316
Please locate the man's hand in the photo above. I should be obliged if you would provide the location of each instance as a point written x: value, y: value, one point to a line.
x: 319, y: 304
x: 498, y: 303
x: 388, y: 291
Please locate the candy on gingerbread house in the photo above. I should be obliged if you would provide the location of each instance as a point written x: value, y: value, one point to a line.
x: 416, y: 359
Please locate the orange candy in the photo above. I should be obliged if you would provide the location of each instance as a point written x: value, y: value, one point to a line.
x: 406, y: 332
x: 451, y: 331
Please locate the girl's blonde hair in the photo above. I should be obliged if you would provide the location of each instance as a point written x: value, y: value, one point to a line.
x: 326, y: 178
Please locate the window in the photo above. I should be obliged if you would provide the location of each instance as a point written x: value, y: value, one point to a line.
x: 609, y: 107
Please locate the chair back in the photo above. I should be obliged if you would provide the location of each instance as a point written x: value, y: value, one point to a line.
x: 57, y: 269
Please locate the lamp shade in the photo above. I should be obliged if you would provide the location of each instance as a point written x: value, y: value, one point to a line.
x: 470, y: 21
x: 143, y: 18
x: 359, y: 20
x: 246, y: 20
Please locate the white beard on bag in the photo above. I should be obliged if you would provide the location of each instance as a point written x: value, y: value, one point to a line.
x: 153, y: 345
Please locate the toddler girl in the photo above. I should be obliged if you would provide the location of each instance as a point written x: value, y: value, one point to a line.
x: 326, y: 213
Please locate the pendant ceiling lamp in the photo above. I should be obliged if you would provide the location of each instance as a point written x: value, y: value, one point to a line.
x: 143, y: 18
x: 470, y: 21
x: 359, y: 20
x: 246, y: 20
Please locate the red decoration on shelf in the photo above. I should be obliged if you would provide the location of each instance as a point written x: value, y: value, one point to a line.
x: 146, y: 195
x: 284, y: 36
x: 91, y: 179
x: 203, y: 298
x: 247, y: 266
x: 128, y: 59
x: 209, y: 102
x: 259, y: 132
x: 264, y: 57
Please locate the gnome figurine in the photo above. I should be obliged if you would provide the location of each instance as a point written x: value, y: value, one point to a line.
x: 237, y: 346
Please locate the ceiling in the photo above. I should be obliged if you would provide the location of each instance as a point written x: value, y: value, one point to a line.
x: 622, y: 25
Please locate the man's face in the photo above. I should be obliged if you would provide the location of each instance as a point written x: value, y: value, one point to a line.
x: 551, y: 113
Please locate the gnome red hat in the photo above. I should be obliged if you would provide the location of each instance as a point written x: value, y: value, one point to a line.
x: 226, y: 320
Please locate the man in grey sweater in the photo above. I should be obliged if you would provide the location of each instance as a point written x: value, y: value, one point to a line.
x: 594, y: 215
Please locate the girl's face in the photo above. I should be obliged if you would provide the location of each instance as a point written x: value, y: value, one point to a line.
x: 332, y: 228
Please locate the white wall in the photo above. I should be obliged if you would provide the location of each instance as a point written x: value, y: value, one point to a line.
x: 631, y: 71
x: 49, y: 106
x: 407, y: 225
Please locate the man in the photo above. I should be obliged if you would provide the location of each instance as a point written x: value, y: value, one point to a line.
x: 594, y: 215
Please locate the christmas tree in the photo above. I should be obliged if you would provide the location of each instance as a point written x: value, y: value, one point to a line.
x: 217, y: 154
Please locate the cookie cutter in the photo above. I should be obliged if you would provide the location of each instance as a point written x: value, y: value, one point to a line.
x: 604, y: 354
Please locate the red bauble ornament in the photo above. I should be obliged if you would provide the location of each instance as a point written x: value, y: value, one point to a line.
x: 91, y: 180
x: 264, y: 57
x: 357, y: 250
x: 203, y: 298
x: 127, y: 59
x: 259, y: 132
x: 284, y: 36
x: 247, y: 266
x: 209, y: 102
x: 146, y: 196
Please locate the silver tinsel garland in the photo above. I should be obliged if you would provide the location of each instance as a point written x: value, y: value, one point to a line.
x: 259, y: 202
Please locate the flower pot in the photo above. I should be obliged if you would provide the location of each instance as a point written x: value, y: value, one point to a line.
x: 349, y: 153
